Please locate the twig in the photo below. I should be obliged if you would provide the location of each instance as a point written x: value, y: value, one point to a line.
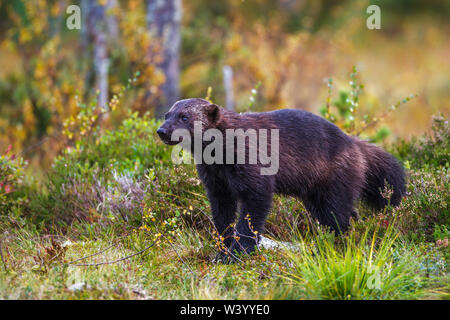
x: 101, y: 251
x: 115, y: 261
x: 38, y: 143
x: 386, y: 114
x: 212, y: 223
x: 181, y: 259
x: 92, y: 255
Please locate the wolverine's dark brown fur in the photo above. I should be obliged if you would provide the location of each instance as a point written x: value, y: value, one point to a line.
x: 318, y: 163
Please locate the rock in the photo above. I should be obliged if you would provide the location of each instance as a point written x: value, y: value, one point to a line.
x: 79, y: 286
x: 274, y: 245
x: 67, y: 243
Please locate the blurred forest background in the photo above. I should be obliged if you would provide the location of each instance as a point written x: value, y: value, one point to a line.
x: 277, y: 53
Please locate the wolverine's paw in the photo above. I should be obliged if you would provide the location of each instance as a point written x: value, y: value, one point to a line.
x: 243, y: 246
x: 236, y: 251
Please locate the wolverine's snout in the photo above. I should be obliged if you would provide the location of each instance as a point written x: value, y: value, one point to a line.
x: 165, y: 134
x: 162, y: 132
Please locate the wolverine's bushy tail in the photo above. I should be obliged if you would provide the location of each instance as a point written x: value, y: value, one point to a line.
x: 382, y: 167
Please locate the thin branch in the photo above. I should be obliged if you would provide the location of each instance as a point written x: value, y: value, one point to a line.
x: 181, y: 259
x: 212, y: 223
x: 115, y: 261
x: 92, y: 255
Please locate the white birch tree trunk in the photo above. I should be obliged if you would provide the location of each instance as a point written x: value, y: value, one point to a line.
x: 228, y: 85
x: 99, y: 26
x: 163, y: 21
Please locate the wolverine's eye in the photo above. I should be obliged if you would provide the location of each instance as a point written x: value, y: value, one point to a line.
x: 184, y: 118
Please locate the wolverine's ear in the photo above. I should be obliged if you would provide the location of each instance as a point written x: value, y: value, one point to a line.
x: 212, y: 112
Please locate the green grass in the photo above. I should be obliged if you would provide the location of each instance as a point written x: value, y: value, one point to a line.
x: 372, y: 267
x: 374, y: 264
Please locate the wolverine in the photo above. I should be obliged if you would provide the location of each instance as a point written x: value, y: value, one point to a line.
x: 328, y: 170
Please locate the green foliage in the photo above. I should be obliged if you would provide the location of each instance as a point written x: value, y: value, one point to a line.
x: 426, y: 204
x: 11, y: 177
x: 253, y: 97
x: 425, y: 211
x: 432, y: 150
x: 348, y: 117
x: 441, y: 232
x: 102, y: 171
x: 131, y: 149
x: 50, y: 68
x: 365, y: 266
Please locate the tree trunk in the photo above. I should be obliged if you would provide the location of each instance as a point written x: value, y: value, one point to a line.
x: 163, y: 22
x: 228, y: 85
x: 98, y: 24
x: 101, y: 63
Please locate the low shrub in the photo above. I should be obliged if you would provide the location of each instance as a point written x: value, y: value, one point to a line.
x: 108, y: 175
x: 431, y: 151
x: 11, y: 178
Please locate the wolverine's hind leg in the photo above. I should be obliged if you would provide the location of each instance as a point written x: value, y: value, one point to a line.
x: 332, y: 207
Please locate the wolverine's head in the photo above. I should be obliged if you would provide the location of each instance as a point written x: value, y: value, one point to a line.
x: 184, y: 113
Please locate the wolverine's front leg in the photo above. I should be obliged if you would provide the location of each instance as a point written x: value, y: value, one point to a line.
x: 223, y: 208
x: 222, y: 200
x: 254, y: 211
